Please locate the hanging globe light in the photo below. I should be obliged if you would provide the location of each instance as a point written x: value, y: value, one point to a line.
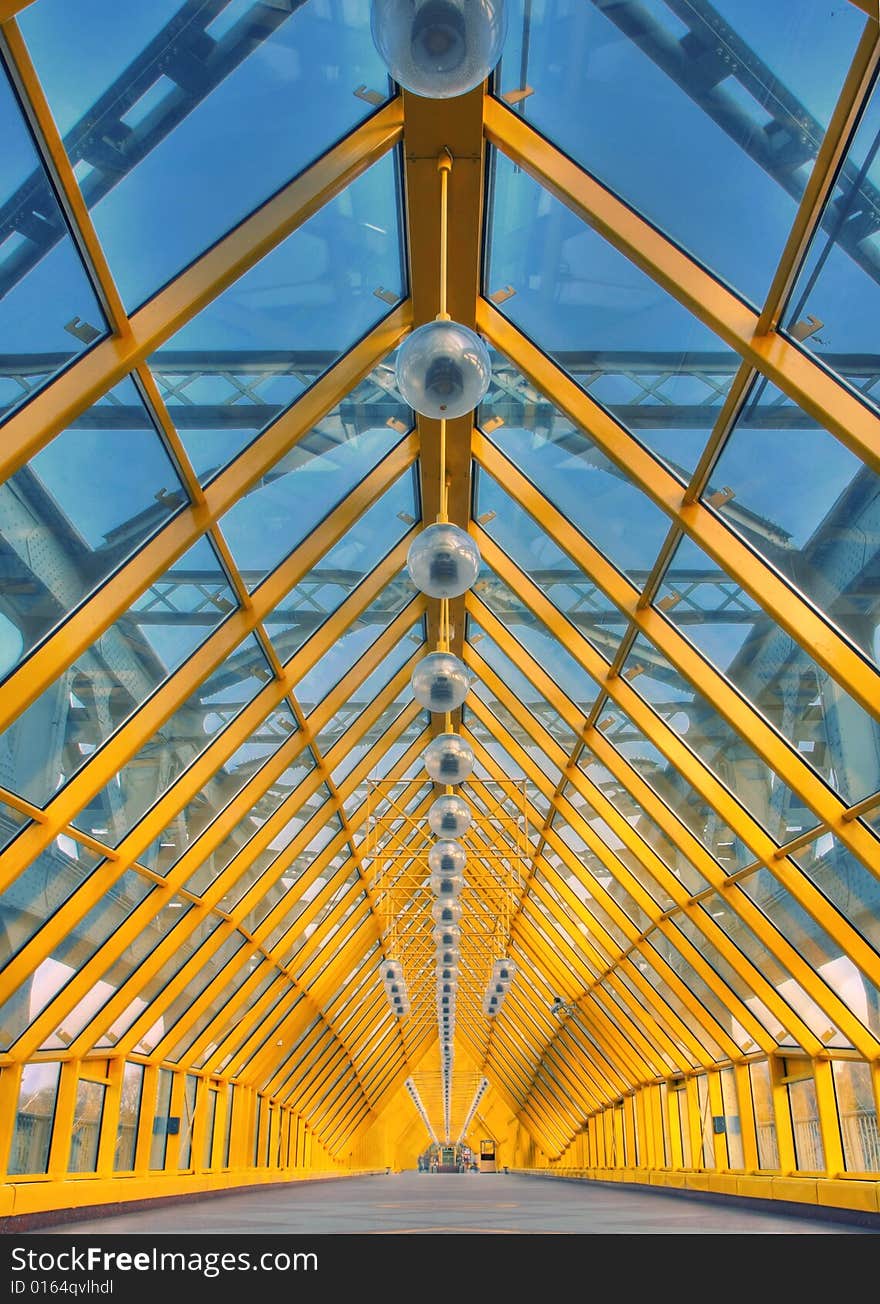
x: 446, y: 910
x: 446, y: 885
x: 443, y: 369
x: 439, y: 48
x: 450, y: 816
x: 443, y: 561
x: 440, y: 682
x: 449, y: 953
x: 448, y: 759
x: 447, y: 857
x: 446, y: 936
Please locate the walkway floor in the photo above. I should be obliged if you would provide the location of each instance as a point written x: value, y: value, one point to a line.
x: 441, y: 1203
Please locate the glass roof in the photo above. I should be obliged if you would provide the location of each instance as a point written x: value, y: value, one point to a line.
x: 216, y: 233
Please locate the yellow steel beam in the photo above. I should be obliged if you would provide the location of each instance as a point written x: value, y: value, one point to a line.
x: 745, y: 720
x: 792, y: 613
x: 114, y: 598
x: 792, y: 370
x: 81, y: 384
x: 851, y: 942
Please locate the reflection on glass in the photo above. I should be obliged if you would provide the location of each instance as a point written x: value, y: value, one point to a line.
x: 48, y: 310
x: 175, y: 745
x: 38, y: 892
x: 34, y: 1116
x: 822, y: 534
x: 669, y: 784
x: 212, y: 965
x: 162, y: 1111
x: 809, y: 1151
x: 705, y: 118
x: 320, y: 592
x: 834, y: 302
x: 83, y: 938
x: 75, y: 512
x: 713, y: 1002
x: 706, y: 733
x: 343, y: 753
x: 86, y: 1131
x: 239, y: 973
x: 242, y: 1000
x: 70, y: 720
x: 522, y: 690
x: 646, y: 1015
x: 857, y: 1112
x: 732, y: 1124
x: 773, y: 672
x: 184, y: 1153
x: 557, y: 576
x: 603, y: 877
x: 152, y: 117
x: 606, y: 323
x: 847, y: 883
x: 353, y: 644
x: 586, y: 487
x: 282, y: 873
x: 129, y: 1113
x: 695, y: 926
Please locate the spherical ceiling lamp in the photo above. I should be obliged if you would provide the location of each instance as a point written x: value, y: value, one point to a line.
x: 450, y: 816
x: 443, y: 369
x: 440, y: 682
x: 447, y: 857
x: 445, y: 936
x: 439, y: 48
x: 443, y: 561
x: 446, y: 911
x: 448, y: 759
x: 448, y: 954
x: 446, y: 885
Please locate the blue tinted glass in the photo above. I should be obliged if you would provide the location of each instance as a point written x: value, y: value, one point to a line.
x: 670, y: 784
x: 846, y: 882
x: 506, y: 724
x: 114, y: 810
x: 520, y: 688
x: 353, y: 644
x: 285, y: 506
x: 77, y: 510
x: 602, y: 319
x: 11, y: 823
x: 829, y: 729
x: 338, y: 573
x: 48, y: 310
x: 557, y: 576
x: 834, y: 304
x: 573, y: 838
x: 220, y: 399
x: 153, y: 115
x: 705, y: 119
x: 822, y: 533
x: 705, y: 732
x: 42, y: 888
x: 58, y: 733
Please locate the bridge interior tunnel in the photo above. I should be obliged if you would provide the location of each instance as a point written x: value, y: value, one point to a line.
x: 272, y: 908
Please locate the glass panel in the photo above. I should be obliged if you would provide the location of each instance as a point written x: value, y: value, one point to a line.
x: 713, y: 1002
x: 508, y: 725
x: 11, y: 824
x: 83, y: 938
x: 707, y: 119
x: 834, y: 302
x: 211, y: 966
x: 349, y: 752
x: 707, y: 1144
x: 557, y: 576
x: 648, y: 1016
x: 315, y: 292
x: 284, y: 877
x: 184, y: 1154
x: 152, y: 118
x: 189, y: 824
x: 160, y: 1119
x: 319, y: 593
x: 86, y: 1133
x: 34, y: 1117
x: 601, y: 874
x: 233, y: 1017
x: 80, y: 507
x: 129, y: 1113
x: 48, y: 310
x: 108, y: 682
x: 247, y: 963
x: 521, y: 688
x: 228, y: 1126
x: 113, y: 812
x: 487, y: 740
x: 354, y: 642
x: 211, y: 1114
x: 636, y: 816
x: 577, y: 297
x: 732, y: 1124
x: 822, y: 532
x: 96, y: 928
x: 857, y: 1112
x: 694, y: 929
x: 588, y: 489
x: 283, y: 508
x: 773, y: 672
x: 808, y: 1148
x: 38, y: 892
x: 852, y: 888
x: 702, y: 728
x: 670, y: 785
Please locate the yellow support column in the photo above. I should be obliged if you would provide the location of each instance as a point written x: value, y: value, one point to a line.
x: 782, y: 1116
x: 746, y: 1117
x: 829, y: 1119
x: 10, y: 1086
x: 62, y: 1126
x: 110, y: 1117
